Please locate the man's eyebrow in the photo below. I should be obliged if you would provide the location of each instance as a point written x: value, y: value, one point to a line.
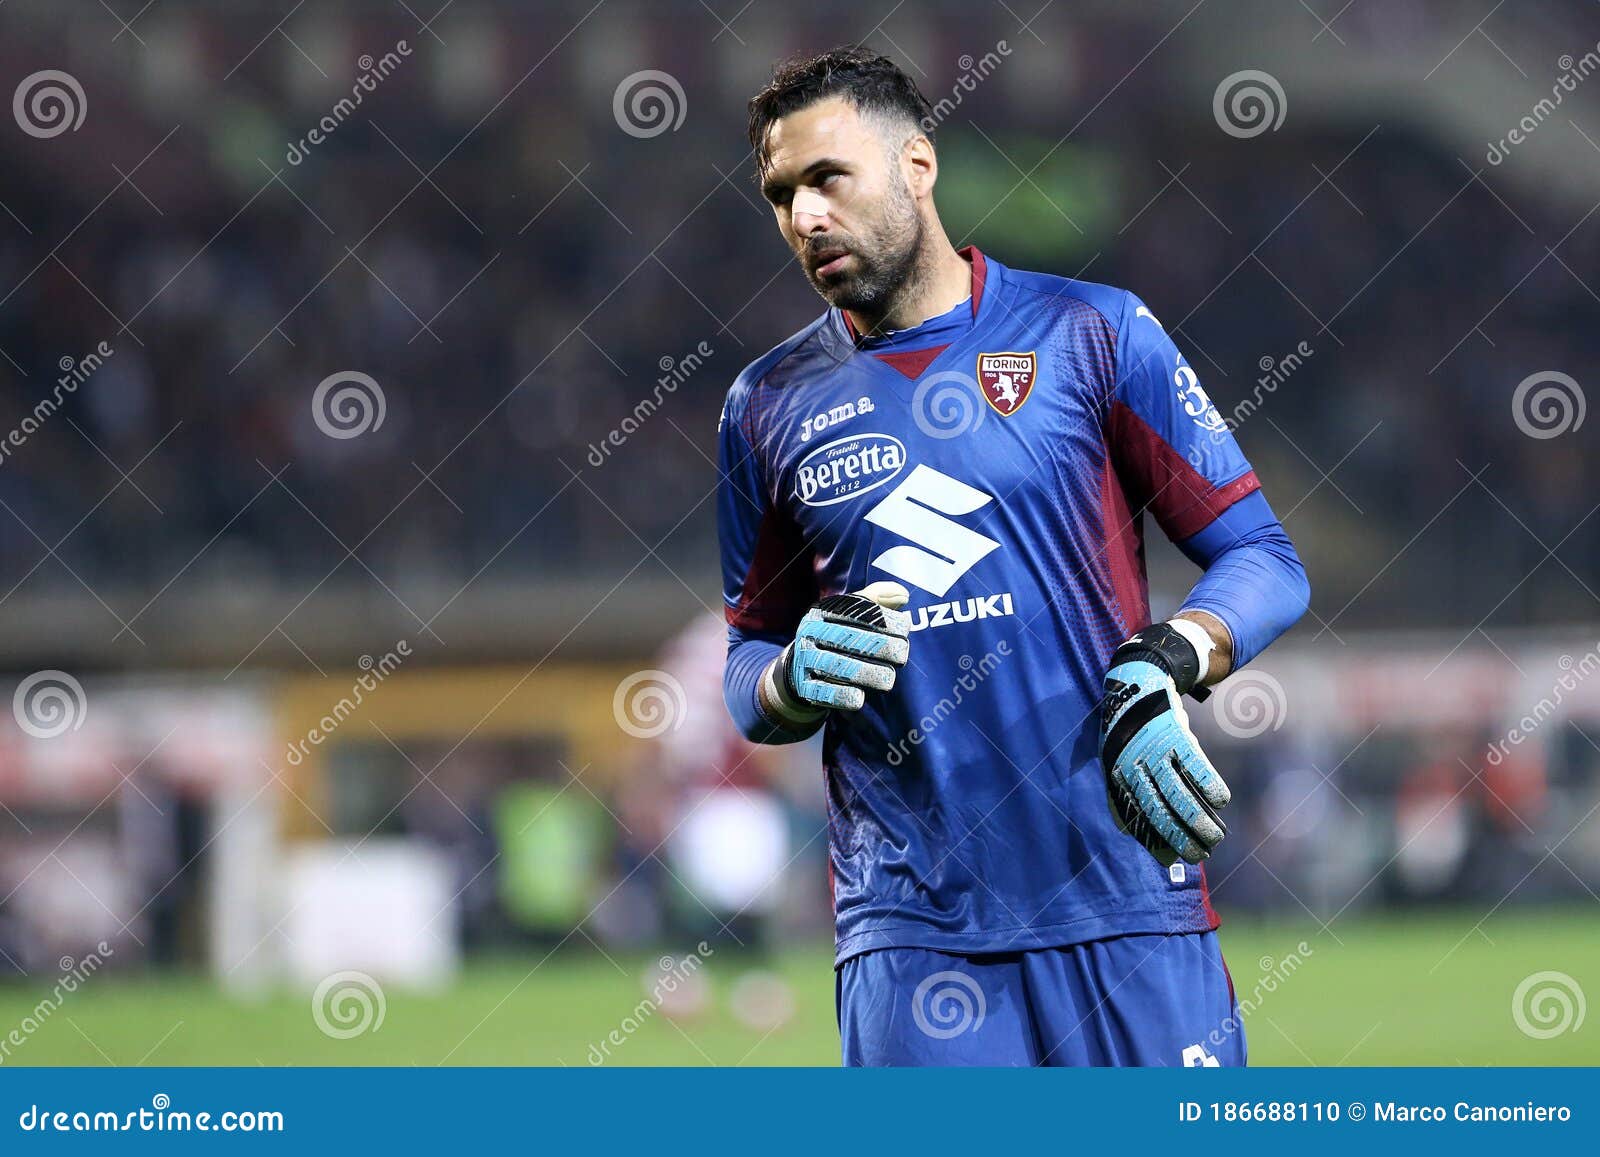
x: 769, y: 186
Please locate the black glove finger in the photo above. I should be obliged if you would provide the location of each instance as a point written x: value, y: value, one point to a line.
x: 862, y: 611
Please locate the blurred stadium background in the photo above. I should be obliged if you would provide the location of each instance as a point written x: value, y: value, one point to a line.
x: 384, y: 726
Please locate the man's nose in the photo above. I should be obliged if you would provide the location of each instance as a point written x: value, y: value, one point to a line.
x: 809, y: 212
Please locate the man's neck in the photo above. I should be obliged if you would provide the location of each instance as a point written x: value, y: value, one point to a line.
x: 937, y: 285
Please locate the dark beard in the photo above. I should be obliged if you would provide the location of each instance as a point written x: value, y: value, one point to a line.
x: 882, y: 275
x: 871, y: 291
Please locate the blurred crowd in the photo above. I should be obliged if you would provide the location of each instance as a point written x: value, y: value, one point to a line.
x: 515, y: 272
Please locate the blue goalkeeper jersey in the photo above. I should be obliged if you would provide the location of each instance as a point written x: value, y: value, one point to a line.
x: 996, y: 461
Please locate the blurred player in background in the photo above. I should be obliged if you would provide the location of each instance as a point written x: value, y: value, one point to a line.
x: 728, y: 831
x: 1018, y: 808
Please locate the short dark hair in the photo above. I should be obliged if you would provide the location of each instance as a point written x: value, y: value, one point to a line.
x: 871, y: 82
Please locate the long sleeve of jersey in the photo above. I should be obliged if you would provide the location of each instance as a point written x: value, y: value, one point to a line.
x: 767, y: 581
x: 1254, y: 581
x: 1178, y: 460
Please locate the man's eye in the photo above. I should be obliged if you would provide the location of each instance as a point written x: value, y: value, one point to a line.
x: 828, y: 179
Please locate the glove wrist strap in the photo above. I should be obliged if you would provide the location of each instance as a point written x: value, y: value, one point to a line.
x: 1169, y: 647
x: 1198, y: 638
x: 790, y: 709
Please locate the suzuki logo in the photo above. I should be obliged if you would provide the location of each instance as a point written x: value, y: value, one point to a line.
x: 945, y: 550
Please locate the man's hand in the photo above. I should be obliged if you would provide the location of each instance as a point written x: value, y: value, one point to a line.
x: 846, y: 645
x: 1162, y: 786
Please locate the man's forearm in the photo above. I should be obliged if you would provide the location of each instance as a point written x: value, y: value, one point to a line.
x: 1221, y: 656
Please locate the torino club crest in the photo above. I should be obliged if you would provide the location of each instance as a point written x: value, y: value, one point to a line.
x: 1006, y: 380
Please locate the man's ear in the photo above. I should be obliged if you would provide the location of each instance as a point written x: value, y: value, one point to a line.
x: 921, y: 165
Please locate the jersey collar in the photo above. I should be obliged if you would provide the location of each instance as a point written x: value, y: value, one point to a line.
x: 911, y: 351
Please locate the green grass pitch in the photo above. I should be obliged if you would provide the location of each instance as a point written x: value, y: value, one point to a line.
x: 1423, y: 989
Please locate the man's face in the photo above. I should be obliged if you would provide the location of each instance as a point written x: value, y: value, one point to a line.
x: 842, y: 203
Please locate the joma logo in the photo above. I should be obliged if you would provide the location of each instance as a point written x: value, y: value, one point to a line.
x: 827, y: 419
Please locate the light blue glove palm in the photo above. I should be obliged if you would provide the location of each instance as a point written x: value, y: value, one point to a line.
x: 1162, y: 786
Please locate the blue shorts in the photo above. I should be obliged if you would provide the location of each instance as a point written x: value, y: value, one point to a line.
x: 1131, y: 1000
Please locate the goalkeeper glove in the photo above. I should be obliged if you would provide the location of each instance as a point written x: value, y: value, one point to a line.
x: 845, y: 646
x: 1163, y: 788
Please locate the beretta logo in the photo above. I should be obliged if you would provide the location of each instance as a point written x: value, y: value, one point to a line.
x: 848, y: 467
x: 1007, y: 379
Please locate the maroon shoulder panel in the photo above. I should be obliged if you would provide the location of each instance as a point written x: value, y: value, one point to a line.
x: 1159, y: 479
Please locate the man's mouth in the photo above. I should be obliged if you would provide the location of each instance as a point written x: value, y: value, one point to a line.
x: 829, y: 262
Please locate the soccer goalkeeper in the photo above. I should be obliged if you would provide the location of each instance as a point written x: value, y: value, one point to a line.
x: 1019, y: 809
